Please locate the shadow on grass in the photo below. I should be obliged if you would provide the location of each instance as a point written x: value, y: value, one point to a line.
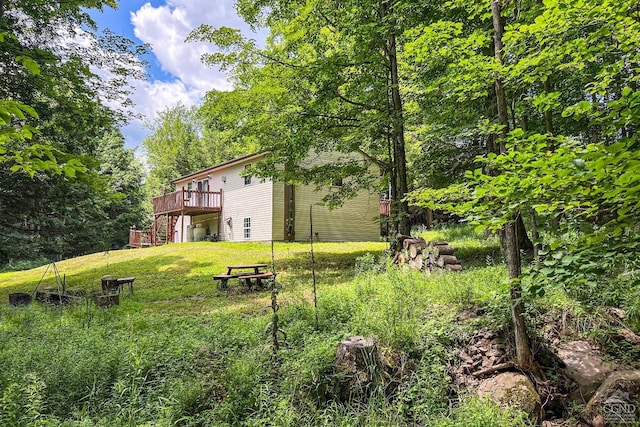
x: 479, y: 256
x: 162, y: 275
x: 332, y: 267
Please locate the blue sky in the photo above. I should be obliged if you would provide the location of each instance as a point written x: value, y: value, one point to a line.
x: 176, y: 73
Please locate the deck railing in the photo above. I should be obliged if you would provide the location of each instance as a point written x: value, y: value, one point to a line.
x: 139, y: 238
x: 187, y: 200
x: 385, y: 207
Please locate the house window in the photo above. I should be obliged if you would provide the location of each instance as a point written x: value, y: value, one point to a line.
x: 189, y: 188
x: 247, y: 228
x: 247, y: 178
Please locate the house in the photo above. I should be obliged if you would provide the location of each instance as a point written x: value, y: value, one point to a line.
x: 219, y: 203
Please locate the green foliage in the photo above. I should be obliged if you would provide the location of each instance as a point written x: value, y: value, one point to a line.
x: 22, y: 403
x: 23, y: 265
x: 179, y: 352
x: 571, y: 158
x: 53, y: 118
x: 327, y: 81
x: 591, y: 186
x: 477, y: 413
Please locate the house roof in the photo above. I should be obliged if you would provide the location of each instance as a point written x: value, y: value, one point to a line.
x: 219, y: 166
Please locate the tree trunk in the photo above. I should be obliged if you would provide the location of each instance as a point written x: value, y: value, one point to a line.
x: 397, y: 126
x: 524, y: 358
x: 393, y: 210
x: 524, y: 242
x: 534, y: 236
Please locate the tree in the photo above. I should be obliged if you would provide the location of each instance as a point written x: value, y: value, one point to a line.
x: 174, y: 147
x: 123, y: 204
x: 333, y: 71
x: 52, y: 117
x: 46, y: 67
x: 578, y: 167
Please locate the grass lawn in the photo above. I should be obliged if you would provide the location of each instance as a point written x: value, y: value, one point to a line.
x: 181, y: 352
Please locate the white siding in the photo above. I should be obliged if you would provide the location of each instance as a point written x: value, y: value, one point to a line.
x: 240, y: 201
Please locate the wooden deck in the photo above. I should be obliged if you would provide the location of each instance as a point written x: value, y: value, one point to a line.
x: 188, y: 202
x: 140, y: 238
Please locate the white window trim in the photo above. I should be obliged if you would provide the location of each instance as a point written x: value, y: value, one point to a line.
x: 247, y: 179
x: 246, y: 228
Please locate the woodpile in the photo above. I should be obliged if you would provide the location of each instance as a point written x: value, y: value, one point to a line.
x: 417, y: 254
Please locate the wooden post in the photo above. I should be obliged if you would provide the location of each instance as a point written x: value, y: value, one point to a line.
x: 313, y: 267
x: 220, y: 219
x: 182, y: 227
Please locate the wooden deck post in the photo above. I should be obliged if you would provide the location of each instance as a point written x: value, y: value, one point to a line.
x: 182, y: 227
x: 220, y: 218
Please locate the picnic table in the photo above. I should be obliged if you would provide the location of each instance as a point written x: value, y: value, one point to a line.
x: 240, y: 272
x: 113, y: 284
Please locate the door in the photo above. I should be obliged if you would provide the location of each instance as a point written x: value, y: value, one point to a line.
x: 289, y: 213
x: 203, y: 196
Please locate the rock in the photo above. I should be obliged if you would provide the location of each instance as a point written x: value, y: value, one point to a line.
x: 561, y: 423
x: 513, y: 389
x: 584, y: 365
x: 616, y: 401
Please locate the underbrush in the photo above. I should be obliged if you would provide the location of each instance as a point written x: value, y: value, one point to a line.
x: 19, y: 265
x: 208, y: 362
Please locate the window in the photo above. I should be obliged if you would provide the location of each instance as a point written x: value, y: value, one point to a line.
x: 203, y: 186
x: 247, y: 228
x: 247, y: 178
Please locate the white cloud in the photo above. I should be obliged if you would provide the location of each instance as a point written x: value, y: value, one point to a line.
x: 165, y: 29
x: 152, y: 97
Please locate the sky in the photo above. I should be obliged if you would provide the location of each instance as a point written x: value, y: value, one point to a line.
x: 175, y: 73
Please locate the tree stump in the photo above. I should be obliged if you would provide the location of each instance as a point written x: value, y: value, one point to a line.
x: 19, y: 298
x: 110, y: 284
x: 358, y: 367
x: 107, y: 300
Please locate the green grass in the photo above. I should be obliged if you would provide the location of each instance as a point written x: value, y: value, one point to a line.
x: 181, y: 352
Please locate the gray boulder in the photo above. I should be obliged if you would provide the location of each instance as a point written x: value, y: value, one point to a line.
x: 513, y: 389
